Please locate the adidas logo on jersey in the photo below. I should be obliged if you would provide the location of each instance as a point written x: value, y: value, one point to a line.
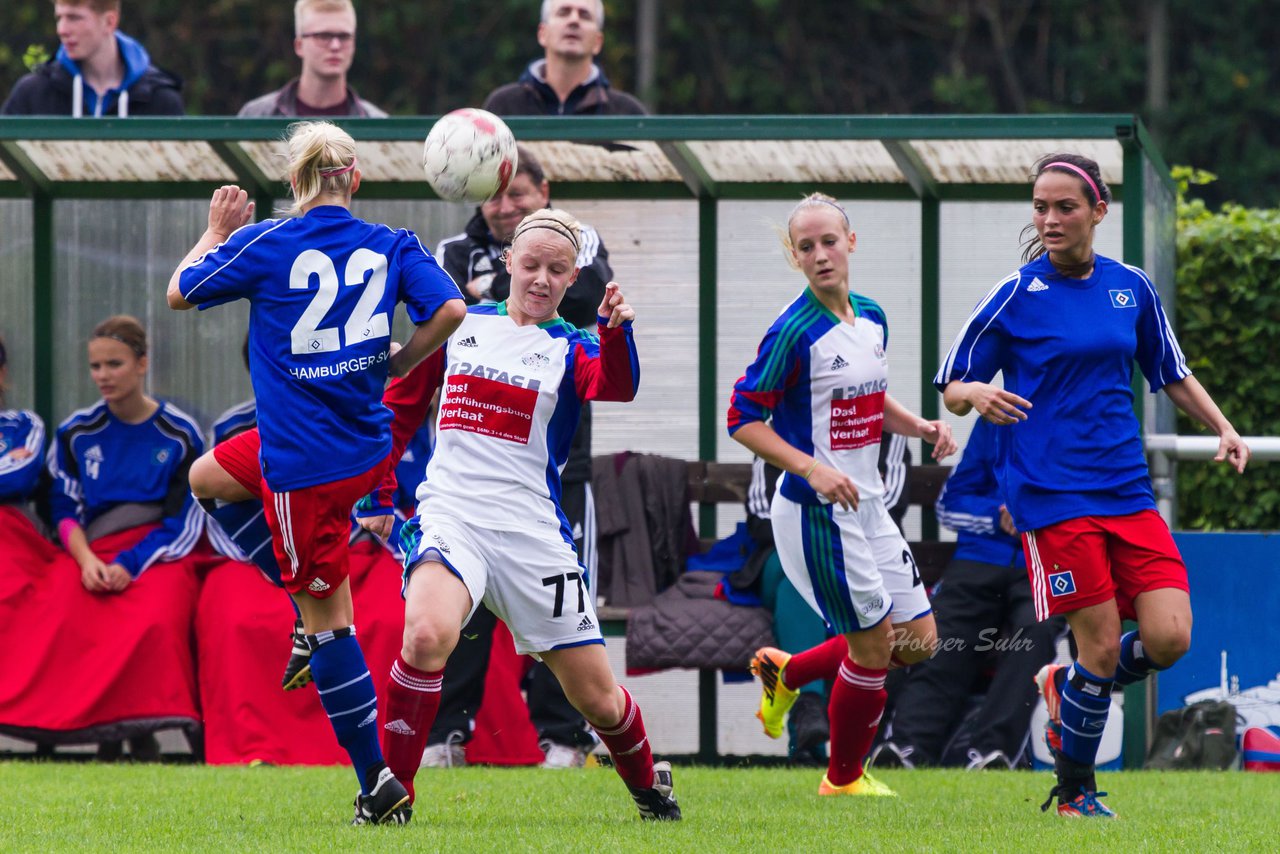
x: 586, y: 625
x: 317, y: 586
x: 469, y: 341
x: 399, y: 727
x: 369, y: 718
x: 94, y: 453
x: 1037, y: 285
x: 839, y: 363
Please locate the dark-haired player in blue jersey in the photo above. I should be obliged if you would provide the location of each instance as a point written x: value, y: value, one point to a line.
x: 119, y: 467
x: 127, y: 449
x: 322, y: 288
x: 1065, y: 330
x: 814, y: 403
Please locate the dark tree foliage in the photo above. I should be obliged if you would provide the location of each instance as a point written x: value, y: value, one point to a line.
x: 770, y: 56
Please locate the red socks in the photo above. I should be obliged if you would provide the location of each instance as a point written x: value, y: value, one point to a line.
x: 413, y: 698
x: 819, y: 662
x: 857, y: 701
x: 629, y: 746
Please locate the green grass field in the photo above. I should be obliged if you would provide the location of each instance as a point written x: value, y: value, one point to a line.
x: 67, y: 806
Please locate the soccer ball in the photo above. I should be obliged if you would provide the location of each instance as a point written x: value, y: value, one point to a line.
x: 469, y: 155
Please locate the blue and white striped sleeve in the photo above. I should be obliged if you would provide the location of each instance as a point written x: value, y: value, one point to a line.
x: 979, y: 347
x: 1159, y: 356
x: 66, y: 497
x: 970, y: 499
x: 227, y: 271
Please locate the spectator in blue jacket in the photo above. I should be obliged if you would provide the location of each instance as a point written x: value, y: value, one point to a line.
x: 98, y: 71
x: 983, y: 606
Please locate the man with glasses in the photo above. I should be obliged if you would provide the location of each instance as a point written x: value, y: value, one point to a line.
x: 325, y: 41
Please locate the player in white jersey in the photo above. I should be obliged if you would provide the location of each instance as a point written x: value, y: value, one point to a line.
x: 814, y: 403
x: 490, y: 527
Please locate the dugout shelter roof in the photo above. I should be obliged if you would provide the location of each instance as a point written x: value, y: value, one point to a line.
x: 883, y: 157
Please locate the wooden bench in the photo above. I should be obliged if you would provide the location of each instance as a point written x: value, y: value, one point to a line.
x: 713, y: 483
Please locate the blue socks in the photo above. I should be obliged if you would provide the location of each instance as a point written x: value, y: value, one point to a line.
x: 1134, y: 665
x: 346, y: 691
x: 1086, y: 699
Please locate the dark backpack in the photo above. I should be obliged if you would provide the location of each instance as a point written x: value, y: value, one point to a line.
x: 1202, y: 735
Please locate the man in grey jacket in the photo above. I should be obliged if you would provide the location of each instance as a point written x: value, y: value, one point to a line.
x: 325, y: 41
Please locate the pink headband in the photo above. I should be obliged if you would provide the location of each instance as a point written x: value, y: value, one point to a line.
x: 335, y: 171
x: 1083, y: 174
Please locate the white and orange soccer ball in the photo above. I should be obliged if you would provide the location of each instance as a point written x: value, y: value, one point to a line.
x: 470, y: 155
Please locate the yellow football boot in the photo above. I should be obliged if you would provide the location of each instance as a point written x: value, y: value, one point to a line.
x: 776, y: 699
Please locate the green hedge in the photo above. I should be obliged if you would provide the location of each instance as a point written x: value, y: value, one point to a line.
x: 1228, y: 318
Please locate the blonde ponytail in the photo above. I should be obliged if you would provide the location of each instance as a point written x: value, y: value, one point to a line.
x: 322, y: 160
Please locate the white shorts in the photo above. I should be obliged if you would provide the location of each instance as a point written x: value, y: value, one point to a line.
x: 852, y: 566
x: 531, y: 581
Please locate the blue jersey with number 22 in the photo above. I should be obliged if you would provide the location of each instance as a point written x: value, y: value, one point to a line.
x: 322, y: 289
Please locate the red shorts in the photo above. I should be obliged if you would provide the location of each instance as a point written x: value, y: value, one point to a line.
x: 310, y: 527
x: 1092, y: 559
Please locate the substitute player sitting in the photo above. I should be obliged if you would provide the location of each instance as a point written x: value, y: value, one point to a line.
x: 490, y: 527
x: 322, y: 287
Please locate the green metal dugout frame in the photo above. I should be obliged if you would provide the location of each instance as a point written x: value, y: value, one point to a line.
x: 709, y: 159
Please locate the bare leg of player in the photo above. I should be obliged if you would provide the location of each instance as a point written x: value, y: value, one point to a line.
x: 588, y: 683
x: 436, y: 605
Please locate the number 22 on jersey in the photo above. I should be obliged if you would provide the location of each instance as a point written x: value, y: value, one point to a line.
x: 365, y: 322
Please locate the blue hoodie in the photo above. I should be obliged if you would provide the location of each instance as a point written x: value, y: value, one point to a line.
x: 56, y: 88
x: 136, y: 62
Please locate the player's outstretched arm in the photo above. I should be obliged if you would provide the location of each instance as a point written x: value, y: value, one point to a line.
x: 898, y: 419
x: 428, y: 337
x: 1192, y: 398
x: 613, y: 374
x: 994, y: 404
x: 229, y: 209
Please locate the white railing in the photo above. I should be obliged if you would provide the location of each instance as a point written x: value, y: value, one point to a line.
x: 1164, y: 448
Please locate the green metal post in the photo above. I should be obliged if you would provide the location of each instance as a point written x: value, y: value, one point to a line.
x: 930, y: 309
x: 1139, y: 706
x: 708, y: 422
x: 708, y: 431
x: 42, y: 281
